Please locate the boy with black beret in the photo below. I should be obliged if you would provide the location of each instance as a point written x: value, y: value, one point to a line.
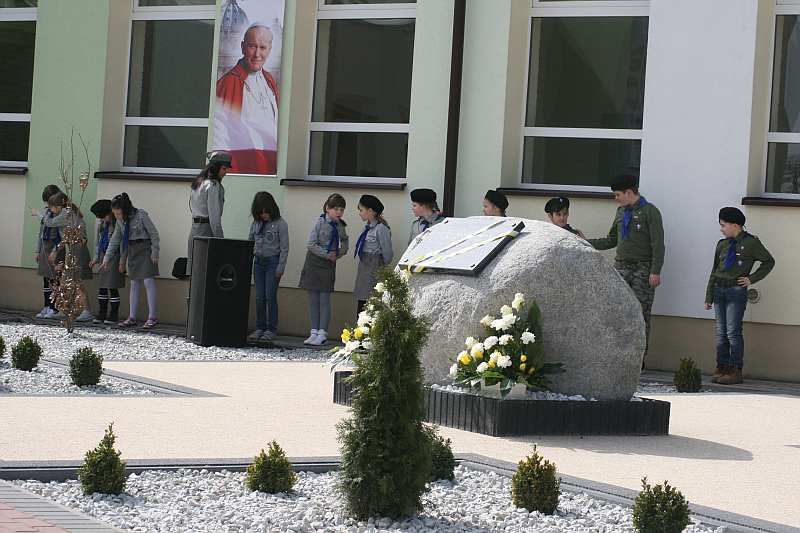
x: 638, y: 235
x: 557, y: 210
x: 734, y: 258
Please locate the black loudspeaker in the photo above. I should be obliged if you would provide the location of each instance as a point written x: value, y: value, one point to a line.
x: 219, y: 292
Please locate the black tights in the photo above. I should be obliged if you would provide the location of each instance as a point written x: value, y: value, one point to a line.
x: 48, y: 291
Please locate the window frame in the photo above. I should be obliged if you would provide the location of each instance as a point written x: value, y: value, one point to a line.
x: 564, y: 9
x: 782, y: 8
x: 146, y: 13
x: 345, y: 12
x: 17, y: 14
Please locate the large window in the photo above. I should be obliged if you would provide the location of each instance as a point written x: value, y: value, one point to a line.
x: 169, y: 85
x: 17, y: 39
x: 362, y: 90
x: 783, y: 139
x: 585, y: 101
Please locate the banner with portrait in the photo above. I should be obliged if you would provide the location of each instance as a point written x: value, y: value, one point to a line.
x: 248, y: 74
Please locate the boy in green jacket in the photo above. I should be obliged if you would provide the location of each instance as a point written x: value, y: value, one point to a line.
x: 727, y: 290
x: 638, y: 235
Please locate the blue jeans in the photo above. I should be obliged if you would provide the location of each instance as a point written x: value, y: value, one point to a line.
x: 729, y: 306
x: 266, y: 292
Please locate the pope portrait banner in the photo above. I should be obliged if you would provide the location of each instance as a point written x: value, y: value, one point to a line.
x: 248, y: 74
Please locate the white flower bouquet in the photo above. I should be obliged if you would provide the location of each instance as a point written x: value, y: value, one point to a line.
x: 511, y: 353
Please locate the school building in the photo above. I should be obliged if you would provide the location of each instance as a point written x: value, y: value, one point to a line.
x: 540, y: 98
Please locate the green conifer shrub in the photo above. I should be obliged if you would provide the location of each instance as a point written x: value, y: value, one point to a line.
x: 385, y: 452
x: 25, y: 354
x: 271, y: 473
x: 535, y: 486
x: 2, y: 347
x: 442, y: 460
x: 102, y: 471
x: 660, y: 509
x: 85, y: 367
x: 687, y: 378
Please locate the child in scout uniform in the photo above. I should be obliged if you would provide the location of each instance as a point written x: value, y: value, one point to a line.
x: 207, y: 199
x: 373, y: 248
x: 557, y: 210
x: 48, y: 252
x: 111, y: 279
x: 327, y: 243
x: 425, y: 208
x: 734, y: 258
x: 495, y: 204
x: 137, y: 235
x: 271, y: 236
x: 638, y: 235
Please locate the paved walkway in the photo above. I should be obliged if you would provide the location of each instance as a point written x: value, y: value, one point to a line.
x: 735, y: 451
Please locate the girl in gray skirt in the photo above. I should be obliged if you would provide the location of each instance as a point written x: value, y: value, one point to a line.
x: 327, y: 242
x: 48, y: 252
x: 111, y: 279
x: 137, y: 237
x: 373, y: 248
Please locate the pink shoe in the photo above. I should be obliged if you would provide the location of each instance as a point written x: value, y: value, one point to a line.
x: 128, y: 322
x: 150, y: 323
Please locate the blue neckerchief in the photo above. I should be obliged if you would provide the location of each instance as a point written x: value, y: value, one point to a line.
x: 568, y: 228
x: 626, y: 218
x: 426, y: 223
x: 261, y: 230
x: 360, y: 243
x: 126, y: 234
x: 46, y: 230
x: 102, y: 245
x: 334, y: 236
x: 730, y: 257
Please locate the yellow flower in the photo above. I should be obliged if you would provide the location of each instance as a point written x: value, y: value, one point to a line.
x: 477, y: 354
x: 464, y: 358
x: 530, y: 370
x: 358, y: 333
x: 523, y: 358
x: 491, y: 364
x: 345, y: 335
x: 522, y: 366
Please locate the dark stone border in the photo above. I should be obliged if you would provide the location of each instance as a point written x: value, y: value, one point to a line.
x: 504, y: 418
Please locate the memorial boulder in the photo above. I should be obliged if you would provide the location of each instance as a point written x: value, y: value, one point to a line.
x: 591, y: 320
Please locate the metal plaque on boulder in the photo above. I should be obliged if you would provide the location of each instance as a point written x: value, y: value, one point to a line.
x: 460, y: 245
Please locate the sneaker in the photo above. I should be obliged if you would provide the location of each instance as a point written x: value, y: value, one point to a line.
x: 86, y: 316
x: 99, y: 318
x: 270, y: 335
x: 57, y: 316
x: 128, y: 322
x: 256, y: 335
x: 151, y: 322
x: 312, y: 337
x: 111, y: 320
x: 320, y: 340
x: 47, y: 312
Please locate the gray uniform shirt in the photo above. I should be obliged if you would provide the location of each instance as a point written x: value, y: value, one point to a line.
x: 418, y: 227
x: 320, y: 237
x: 111, y: 227
x: 272, y: 240
x: 56, y: 223
x: 141, y: 227
x: 207, y: 201
x: 379, y: 240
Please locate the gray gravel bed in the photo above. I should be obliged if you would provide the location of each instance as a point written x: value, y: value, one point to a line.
x: 203, y: 501
x: 46, y: 379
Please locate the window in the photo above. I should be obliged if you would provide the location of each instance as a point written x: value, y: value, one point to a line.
x: 169, y: 85
x: 783, y: 139
x: 362, y: 90
x: 17, y: 39
x: 585, y: 101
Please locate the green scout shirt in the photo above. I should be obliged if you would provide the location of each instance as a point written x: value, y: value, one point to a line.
x: 748, y: 250
x: 646, y: 237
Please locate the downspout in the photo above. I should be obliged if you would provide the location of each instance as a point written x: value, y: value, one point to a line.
x: 454, y: 111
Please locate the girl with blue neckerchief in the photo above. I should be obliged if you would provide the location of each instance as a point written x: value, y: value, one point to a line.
x: 373, y: 248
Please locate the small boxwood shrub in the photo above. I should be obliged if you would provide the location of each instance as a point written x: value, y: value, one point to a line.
x: 25, y: 354
x: 85, y: 367
x: 660, y: 509
x: 535, y: 486
x: 443, y: 462
x: 687, y: 378
x: 271, y: 472
x: 102, y: 469
x: 2, y: 347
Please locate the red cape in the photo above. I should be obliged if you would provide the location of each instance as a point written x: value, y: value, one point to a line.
x: 230, y: 88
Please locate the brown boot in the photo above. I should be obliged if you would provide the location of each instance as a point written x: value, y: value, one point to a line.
x: 733, y: 376
x: 722, y: 369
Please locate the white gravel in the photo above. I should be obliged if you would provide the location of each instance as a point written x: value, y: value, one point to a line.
x: 199, y: 500
x: 47, y: 379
